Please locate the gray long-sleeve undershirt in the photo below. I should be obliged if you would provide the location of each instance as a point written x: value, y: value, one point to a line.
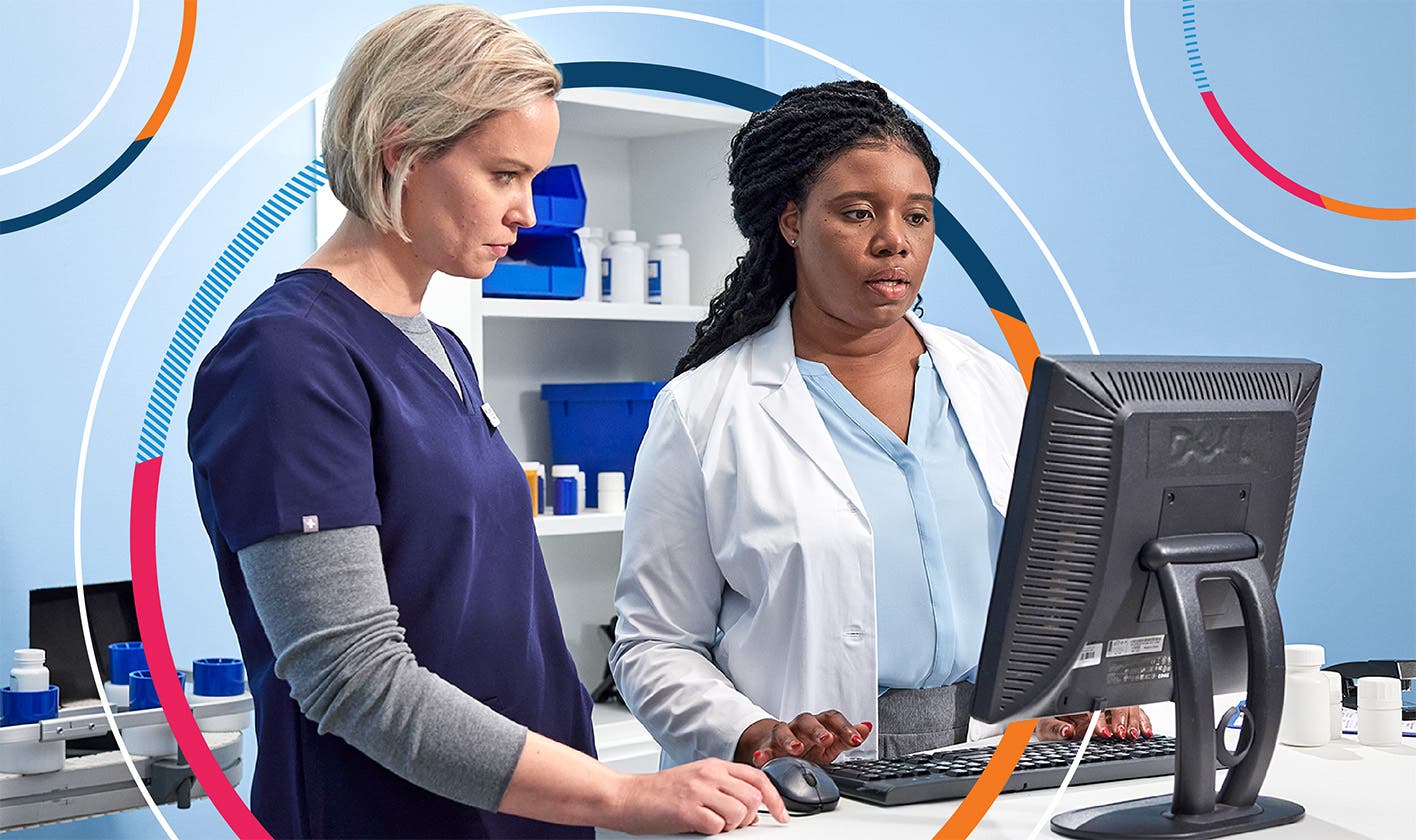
x: 323, y: 601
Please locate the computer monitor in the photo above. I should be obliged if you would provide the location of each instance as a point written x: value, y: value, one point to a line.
x: 1150, y: 508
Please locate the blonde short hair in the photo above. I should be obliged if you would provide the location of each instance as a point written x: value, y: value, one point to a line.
x: 422, y: 79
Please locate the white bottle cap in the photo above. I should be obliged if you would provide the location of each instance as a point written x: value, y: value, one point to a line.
x: 529, y: 465
x: 669, y: 239
x: 611, y: 482
x: 1334, y: 686
x: 29, y: 656
x: 1379, y: 693
x: 565, y: 470
x: 591, y: 233
x: 1303, y: 656
x: 623, y: 236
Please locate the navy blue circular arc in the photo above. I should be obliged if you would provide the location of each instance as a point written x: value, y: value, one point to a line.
x: 79, y: 196
x: 664, y: 79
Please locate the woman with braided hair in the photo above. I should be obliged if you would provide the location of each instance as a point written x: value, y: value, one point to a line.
x: 818, y: 501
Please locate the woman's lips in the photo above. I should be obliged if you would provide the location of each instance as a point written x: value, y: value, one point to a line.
x: 892, y: 283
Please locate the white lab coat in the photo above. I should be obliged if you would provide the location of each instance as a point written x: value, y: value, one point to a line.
x: 747, y: 583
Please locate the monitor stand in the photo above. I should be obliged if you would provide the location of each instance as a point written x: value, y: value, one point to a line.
x: 1195, y: 811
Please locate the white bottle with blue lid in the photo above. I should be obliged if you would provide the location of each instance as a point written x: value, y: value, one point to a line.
x: 123, y: 659
x: 218, y: 678
x: 29, y: 698
x: 155, y: 739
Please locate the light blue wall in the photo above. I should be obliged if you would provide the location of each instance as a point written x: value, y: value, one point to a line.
x: 1039, y: 92
x: 70, y: 278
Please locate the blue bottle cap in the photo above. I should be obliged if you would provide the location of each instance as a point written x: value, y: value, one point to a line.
x: 218, y: 676
x: 17, y: 707
x: 123, y: 659
x: 142, y: 693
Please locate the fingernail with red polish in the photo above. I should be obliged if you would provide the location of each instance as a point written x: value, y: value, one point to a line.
x: 795, y: 746
x: 757, y: 756
x: 1104, y: 732
x: 1148, y: 732
x: 825, y: 738
x: 869, y: 725
x: 1135, y: 734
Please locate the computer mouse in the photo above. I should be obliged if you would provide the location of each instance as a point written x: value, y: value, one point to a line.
x: 805, y: 787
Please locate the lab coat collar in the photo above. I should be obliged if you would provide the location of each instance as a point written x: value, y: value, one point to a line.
x: 789, y: 403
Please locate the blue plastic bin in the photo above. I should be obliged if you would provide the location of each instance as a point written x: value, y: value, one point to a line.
x: 557, y: 268
x: 599, y: 426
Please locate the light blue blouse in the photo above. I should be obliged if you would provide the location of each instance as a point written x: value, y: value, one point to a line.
x: 936, y: 532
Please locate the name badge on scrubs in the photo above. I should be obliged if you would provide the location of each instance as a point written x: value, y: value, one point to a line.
x: 492, y: 419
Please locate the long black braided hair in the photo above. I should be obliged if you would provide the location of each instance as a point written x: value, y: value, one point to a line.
x: 775, y: 158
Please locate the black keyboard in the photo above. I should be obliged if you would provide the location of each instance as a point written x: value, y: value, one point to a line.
x: 950, y: 774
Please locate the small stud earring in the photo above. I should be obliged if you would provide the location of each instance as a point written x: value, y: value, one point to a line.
x: 792, y: 243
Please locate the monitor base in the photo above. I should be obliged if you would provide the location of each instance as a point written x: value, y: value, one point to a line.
x: 1151, y: 817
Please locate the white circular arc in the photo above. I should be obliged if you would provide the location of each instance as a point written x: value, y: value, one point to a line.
x: 102, y: 102
x: 1214, y: 205
x: 845, y: 68
x: 93, y: 409
x: 235, y: 158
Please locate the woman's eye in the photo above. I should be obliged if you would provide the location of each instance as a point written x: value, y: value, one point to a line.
x: 505, y: 177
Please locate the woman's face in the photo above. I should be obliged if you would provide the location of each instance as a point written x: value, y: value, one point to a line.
x: 463, y: 209
x: 863, y: 235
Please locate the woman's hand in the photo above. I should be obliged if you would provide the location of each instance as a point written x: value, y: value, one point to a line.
x: 1122, y: 723
x: 818, y: 738
x: 707, y: 797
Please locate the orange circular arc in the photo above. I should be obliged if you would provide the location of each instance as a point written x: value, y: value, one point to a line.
x: 990, y: 783
x: 179, y: 71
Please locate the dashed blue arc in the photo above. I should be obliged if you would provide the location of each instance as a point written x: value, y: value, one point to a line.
x: 1192, y: 46
x: 152, y: 440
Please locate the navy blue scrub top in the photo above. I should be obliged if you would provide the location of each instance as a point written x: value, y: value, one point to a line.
x: 313, y: 404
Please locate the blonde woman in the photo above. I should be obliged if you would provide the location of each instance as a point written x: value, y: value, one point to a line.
x: 372, y: 529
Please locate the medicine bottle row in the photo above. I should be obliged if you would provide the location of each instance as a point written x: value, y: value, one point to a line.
x: 29, y: 698
x: 564, y: 494
x: 631, y: 271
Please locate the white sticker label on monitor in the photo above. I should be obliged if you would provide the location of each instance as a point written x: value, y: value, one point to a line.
x: 1091, y: 655
x: 1131, y: 647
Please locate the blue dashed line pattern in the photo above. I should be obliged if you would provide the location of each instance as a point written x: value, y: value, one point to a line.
x: 152, y: 440
x: 1192, y: 44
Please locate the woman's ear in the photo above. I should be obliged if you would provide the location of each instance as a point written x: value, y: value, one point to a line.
x: 789, y: 223
x: 393, y: 148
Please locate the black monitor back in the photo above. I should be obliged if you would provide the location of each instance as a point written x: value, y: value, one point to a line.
x: 1116, y: 452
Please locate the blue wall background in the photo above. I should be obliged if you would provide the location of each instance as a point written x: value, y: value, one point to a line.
x: 1040, y: 93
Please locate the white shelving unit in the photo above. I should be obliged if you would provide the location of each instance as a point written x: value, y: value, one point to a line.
x: 591, y: 310
x: 654, y: 165
x: 589, y: 522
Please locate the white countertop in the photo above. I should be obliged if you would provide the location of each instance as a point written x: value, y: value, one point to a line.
x: 1349, y: 790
